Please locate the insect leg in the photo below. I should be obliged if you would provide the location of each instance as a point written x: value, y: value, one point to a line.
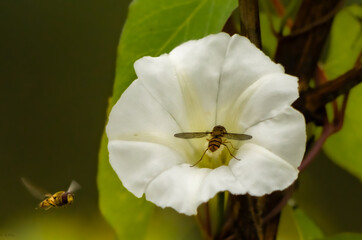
x: 230, y: 152
x: 200, y: 158
x: 231, y: 145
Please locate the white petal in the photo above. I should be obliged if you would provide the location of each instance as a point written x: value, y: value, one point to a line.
x: 260, y: 171
x: 179, y: 188
x: 244, y: 64
x: 137, y: 163
x: 218, y: 180
x: 264, y: 99
x: 187, y: 80
x: 184, y: 188
x: 137, y: 116
x: 284, y: 135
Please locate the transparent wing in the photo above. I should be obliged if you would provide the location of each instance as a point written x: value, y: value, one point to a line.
x: 35, y: 191
x: 188, y: 135
x: 237, y: 136
x: 74, y: 186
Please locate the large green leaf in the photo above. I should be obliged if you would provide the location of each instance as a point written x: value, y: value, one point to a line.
x: 308, y: 230
x: 345, y: 41
x: 344, y: 148
x: 168, y: 224
x: 295, y: 224
x: 153, y: 27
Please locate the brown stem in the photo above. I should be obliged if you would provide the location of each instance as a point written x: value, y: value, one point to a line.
x: 331, y: 90
x: 254, y: 210
x: 278, y: 207
x: 318, y: 22
x: 249, y: 20
x: 312, y: 101
x: 208, y: 219
x: 203, y: 220
x: 246, y: 217
x: 328, y: 130
x: 300, y: 51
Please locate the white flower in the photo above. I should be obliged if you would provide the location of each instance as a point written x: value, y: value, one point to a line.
x: 217, y: 80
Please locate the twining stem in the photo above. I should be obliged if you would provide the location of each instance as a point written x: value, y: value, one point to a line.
x: 254, y: 212
x: 204, y: 220
x: 300, y: 51
x: 249, y: 21
x: 312, y: 101
x: 328, y: 129
x: 221, y: 210
x: 332, y: 89
x: 208, y: 219
x: 278, y: 207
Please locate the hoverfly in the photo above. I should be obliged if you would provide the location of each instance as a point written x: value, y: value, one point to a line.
x: 58, y: 199
x: 219, y: 137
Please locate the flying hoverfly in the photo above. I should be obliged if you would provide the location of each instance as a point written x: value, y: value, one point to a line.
x: 58, y: 199
x: 219, y: 137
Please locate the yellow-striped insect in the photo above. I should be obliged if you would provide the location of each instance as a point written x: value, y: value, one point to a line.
x: 58, y: 199
x: 219, y: 137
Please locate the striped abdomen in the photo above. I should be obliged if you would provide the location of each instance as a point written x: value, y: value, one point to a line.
x: 214, y: 143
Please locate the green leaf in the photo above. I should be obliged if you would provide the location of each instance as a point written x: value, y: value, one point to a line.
x: 307, y: 228
x: 345, y: 41
x: 295, y: 224
x: 344, y: 236
x: 344, y: 148
x: 269, y: 40
x: 153, y: 27
x: 287, y: 228
x: 168, y: 224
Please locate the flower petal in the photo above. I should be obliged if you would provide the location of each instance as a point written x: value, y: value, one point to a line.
x: 184, y: 188
x: 187, y: 80
x: 137, y: 116
x: 178, y: 187
x: 261, y: 171
x: 218, y: 180
x: 137, y: 163
x: 244, y: 64
x: 285, y: 129
x: 262, y: 100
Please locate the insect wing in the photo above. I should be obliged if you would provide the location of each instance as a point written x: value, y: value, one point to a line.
x: 189, y: 135
x: 237, y: 136
x: 74, y: 186
x: 35, y: 191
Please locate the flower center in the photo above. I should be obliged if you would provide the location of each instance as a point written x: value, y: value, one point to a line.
x: 218, y: 149
x: 215, y: 153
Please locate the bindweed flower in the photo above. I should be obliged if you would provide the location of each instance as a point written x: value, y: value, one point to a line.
x: 217, y: 80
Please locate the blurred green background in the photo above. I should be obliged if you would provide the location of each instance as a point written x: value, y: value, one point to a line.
x: 57, y: 61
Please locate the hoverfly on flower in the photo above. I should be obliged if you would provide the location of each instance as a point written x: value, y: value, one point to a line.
x: 219, y: 137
